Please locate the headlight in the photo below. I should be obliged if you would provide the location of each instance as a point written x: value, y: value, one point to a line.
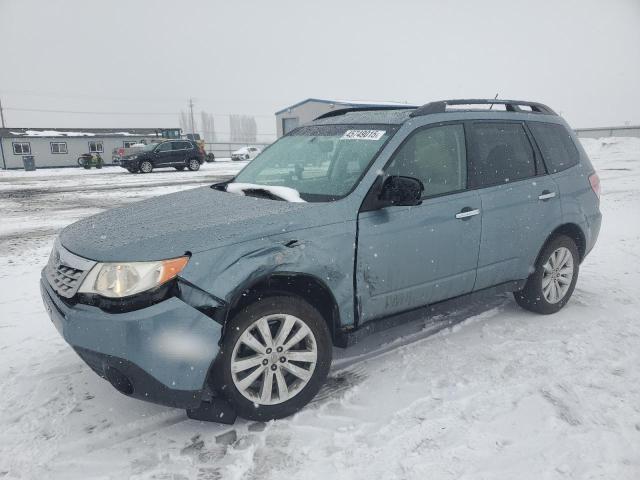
x: 116, y: 280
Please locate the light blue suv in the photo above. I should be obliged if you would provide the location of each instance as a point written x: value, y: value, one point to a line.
x: 227, y: 300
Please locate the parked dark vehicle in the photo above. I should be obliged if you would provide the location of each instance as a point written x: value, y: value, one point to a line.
x: 179, y: 154
x: 355, y: 222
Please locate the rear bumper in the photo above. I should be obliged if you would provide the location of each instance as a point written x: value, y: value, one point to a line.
x: 161, y: 353
x: 594, y: 223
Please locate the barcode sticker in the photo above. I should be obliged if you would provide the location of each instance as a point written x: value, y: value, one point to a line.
x: 363, y: 134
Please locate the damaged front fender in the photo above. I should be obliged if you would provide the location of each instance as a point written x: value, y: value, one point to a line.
x: 325, y: 253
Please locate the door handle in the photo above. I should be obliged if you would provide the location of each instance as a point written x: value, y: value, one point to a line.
x: 546, y: 195
x: 467, y: 212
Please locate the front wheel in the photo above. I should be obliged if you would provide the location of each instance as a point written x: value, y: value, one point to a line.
x: 550, y: 286
x: 275, y: 357
x: 146, y: 166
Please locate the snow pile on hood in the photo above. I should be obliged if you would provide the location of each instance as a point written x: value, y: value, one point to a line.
x: 285, y: 193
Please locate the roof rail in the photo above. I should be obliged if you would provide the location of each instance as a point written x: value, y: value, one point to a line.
x: 343, y: 111
x: 511, y: 106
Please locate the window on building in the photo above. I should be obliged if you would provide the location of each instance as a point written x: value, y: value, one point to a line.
x: 436, y: 156
x: 499, y: 153
x: 129, y: 143
x: 96, y: 147
x: 22, y: 148
x: 289, y: 124
x: 59, y: 147
x: 557, y: 147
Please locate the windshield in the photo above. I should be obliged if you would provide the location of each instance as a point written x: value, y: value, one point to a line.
x: 321, y: 162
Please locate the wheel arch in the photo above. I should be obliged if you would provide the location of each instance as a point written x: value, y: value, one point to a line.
x: 574, y: 232
x: 304, y: 286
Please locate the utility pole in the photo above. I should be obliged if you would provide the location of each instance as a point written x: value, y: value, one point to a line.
x: 1, y: 113
x: 191, y: 113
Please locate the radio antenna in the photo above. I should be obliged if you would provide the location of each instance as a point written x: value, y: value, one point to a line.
x: 495, y: 98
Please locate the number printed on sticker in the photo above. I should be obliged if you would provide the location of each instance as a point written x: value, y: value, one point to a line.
x: 363, y: 134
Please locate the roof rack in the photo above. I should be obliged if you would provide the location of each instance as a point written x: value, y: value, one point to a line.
x: 344, y: 111
x: 510, y: 105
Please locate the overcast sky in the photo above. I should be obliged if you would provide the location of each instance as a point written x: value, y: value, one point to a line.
x: 581, y: 57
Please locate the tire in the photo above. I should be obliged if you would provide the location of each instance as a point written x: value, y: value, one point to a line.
x: 146, y: 166
x: 246, y: 157
x: 179, y: 168
x: 254, y: 401
x: 193, y: 164
x: 557, y: 266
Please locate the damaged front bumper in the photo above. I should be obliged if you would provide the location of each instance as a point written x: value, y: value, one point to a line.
x: 161, y: 353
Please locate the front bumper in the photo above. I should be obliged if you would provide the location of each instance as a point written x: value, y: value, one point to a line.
x: 161, y: 353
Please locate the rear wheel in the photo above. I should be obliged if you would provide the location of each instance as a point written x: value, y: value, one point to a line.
x: 275, y: 357
x: 193, y: 164
x: 146, y: 166
x: 551, y: 285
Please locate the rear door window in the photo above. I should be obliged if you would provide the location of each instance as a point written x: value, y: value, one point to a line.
x: 499, y: 153
x: 181, y: 145
x: 557, y: 147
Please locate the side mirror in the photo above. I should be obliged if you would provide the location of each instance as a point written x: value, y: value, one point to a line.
x: 401, y: 191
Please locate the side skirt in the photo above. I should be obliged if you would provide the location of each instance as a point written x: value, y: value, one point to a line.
x: 349, y: 336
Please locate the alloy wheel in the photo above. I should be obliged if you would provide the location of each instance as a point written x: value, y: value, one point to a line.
x: 557, y: 275
x: 274, y: 359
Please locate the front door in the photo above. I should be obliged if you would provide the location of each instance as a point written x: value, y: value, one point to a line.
x: 164, y: 154
x: 414, y: 256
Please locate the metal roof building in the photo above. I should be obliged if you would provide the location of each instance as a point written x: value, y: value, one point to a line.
x: 305, y: 111
x: 61, y: 147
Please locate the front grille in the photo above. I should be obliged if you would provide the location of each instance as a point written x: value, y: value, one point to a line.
x: 66, y: 271
x: 66, y: 280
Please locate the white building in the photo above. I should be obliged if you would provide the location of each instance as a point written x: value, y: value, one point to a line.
x: 307, y: 110
x: 61, y: 147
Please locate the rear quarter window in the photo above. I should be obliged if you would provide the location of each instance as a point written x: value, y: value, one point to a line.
x: 557, y: 147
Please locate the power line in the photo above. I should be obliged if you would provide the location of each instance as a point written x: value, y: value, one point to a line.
x: 79, y: 112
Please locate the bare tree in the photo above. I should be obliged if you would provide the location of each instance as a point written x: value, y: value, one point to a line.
x: 243, y: 128
x: 184, y: 122
x: 207, y: 127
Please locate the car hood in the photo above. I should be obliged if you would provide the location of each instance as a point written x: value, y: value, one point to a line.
x: 188, y: 221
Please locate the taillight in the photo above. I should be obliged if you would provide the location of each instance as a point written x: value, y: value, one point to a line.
x: 594, y: 180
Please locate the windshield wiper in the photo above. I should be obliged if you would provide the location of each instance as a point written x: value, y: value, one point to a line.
x: 274, y: 191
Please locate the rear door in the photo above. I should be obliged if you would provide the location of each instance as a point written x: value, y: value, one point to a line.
x: 520, y: 203
x: 413, y: 256
x: 181, y: 152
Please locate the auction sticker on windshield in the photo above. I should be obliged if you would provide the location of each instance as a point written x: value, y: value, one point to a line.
x: 363, y: 135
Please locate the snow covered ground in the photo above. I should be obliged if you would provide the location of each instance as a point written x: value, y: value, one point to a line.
x: 499, y: 393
